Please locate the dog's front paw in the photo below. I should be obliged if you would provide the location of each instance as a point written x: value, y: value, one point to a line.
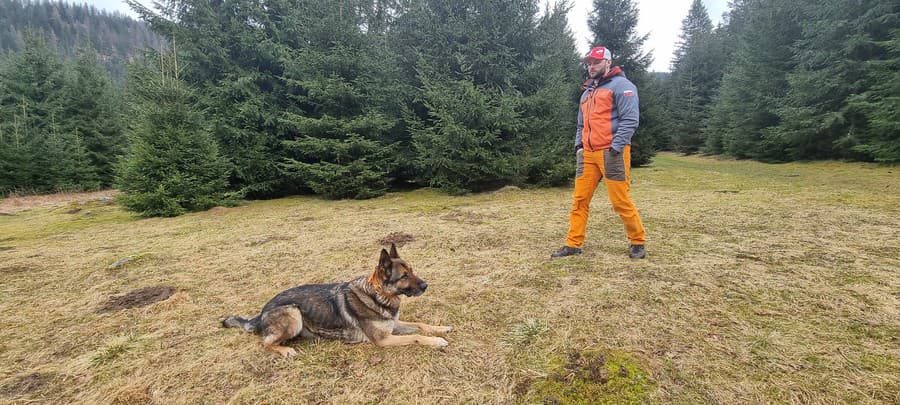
x: 439, y: 343
x: 284, y: 351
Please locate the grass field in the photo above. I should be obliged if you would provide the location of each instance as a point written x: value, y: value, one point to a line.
x: 764, y: 284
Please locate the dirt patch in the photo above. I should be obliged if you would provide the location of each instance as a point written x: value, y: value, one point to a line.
x: 522, y: 386
x: 137, y: 298
x: 26, y: 384
x: 591, y: 368
x: 5, y: 248
x: 397, y: 238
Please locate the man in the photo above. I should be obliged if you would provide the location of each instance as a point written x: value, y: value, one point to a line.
x: 607, y: 119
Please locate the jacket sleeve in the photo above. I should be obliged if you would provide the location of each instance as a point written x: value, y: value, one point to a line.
x: 626, y: 98
x: 580, y: 127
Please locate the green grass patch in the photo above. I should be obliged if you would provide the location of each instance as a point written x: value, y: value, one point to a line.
x: 113, y: 350
x: 592, y: 376
x: 74, y: 217
x: 526, y: 332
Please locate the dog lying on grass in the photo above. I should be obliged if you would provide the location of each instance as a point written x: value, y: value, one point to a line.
x: 366, y: 309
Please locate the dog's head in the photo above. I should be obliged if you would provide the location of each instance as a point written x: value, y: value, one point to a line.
x: 397, y: 277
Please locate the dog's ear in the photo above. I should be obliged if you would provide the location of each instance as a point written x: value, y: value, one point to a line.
x: 394, y: 251
x: 385, y: 262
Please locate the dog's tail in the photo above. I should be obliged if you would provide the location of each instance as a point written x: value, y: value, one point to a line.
x: 248, y: 325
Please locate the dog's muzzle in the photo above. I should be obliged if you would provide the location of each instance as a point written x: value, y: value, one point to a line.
x: 415, y: 292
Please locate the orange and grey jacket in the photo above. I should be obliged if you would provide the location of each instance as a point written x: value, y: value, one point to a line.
x: 608, y: 114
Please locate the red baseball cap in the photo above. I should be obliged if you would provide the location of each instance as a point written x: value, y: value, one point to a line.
x: 598, y: 52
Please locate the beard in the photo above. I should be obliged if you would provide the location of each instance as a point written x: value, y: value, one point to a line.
x: 599, y: 75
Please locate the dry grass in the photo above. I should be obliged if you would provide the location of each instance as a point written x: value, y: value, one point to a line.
x: 764, y: 283
x: 15, y: 203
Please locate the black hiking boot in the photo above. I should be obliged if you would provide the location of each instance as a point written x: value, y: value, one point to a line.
x: 637, y: 252
x: 566, y: 251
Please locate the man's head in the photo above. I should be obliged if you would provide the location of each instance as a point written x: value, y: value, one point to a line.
x: 598, y: 62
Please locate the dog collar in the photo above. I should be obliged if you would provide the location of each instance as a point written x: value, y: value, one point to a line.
x: 376, y: 286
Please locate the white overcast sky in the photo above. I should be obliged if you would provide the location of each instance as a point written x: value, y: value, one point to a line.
x: 659, y: 18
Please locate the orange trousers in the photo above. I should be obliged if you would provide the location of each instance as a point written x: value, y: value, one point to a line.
x: 615, y: 170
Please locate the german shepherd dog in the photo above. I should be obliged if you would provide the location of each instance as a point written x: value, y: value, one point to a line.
x: 366, y: 309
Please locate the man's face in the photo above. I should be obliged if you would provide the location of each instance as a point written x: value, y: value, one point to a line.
x: 597, y: 67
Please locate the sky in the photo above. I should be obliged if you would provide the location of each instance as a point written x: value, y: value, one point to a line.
x: 109, y: 5
x: 659, y: 18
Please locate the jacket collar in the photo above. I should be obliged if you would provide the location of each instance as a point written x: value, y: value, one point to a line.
x: 592, y: 84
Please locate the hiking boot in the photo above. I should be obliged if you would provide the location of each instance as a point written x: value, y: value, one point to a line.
x: 637, y: 252
x: 566, y: 251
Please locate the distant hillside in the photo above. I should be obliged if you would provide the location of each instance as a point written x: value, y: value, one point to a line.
x: 116, y: 37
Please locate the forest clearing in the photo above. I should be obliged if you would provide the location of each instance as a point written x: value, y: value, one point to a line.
x: 764, y: 283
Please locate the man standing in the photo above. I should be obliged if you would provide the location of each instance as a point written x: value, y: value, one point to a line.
x: 607, y: 119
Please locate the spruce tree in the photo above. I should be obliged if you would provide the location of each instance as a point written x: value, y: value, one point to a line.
x: 550, y: 102
x: 337, y: 142
x: 876, y: 111
x: 173, y: 165
x: 614, y: 25
x: 91, y: 107
x: 63, y: 163
x: 843, y: 98
x: 467, y: 58
x: 467, y: 143
x: 287, y: 86
x: 234, y: 64
x: 744, y: 117
x: 12, y: 161
x: 33, y: 80
x: 43, y: 157
x: 725, y: 41
x: 693, y: 81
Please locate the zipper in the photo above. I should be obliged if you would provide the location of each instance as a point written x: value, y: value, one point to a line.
x: 587, y: 121
x: 591, y: 108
